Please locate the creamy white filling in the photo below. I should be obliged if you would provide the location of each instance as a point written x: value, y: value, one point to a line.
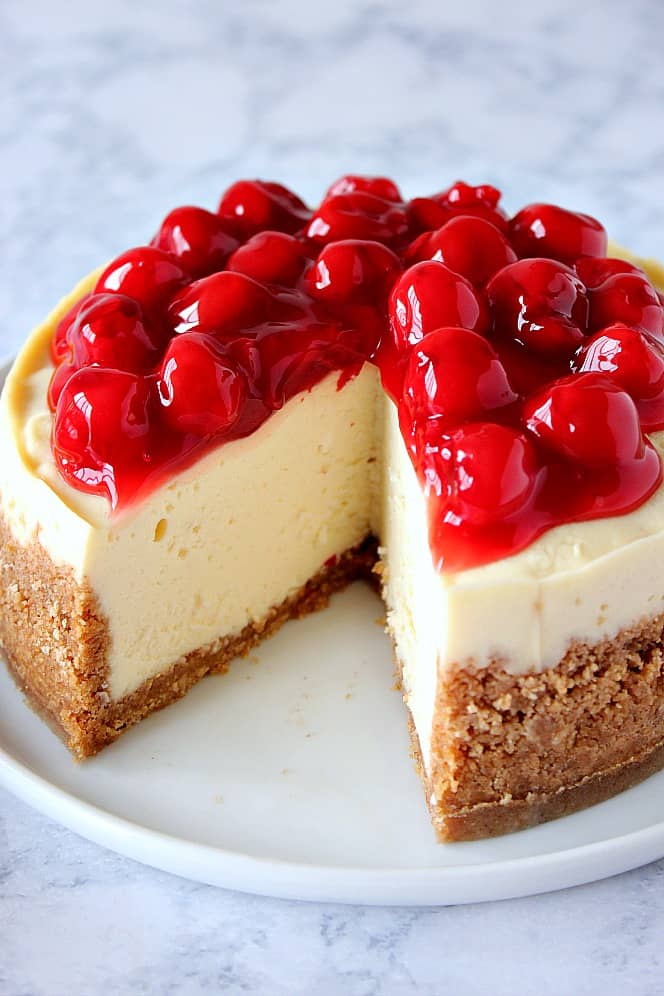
x: 415, y: 600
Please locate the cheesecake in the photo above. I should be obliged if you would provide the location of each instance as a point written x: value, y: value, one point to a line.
x: 216, y: 431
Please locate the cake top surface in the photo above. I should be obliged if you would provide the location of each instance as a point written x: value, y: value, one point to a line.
x: 526, y: 365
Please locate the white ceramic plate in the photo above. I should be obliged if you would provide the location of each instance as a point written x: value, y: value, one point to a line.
x: 291, y: 776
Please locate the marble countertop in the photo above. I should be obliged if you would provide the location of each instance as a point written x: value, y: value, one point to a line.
x: 110, y: 114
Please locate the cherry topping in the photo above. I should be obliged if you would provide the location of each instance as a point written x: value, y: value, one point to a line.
x: 358, y: 215
x: 147, y: 274
x: 109, y: 331
x: 251, y: 206
x: 464, y: 195
x: 482, y: 201
x: 634, y: 362
x: 353, y: 269
x: 102, y: 423
x: 224, y: 304
x: 199, y: 389
x: 470, y: 246
x: 547, y: 230
x: 426, y: 215
x: 629, y: 298
x: 270, y: 258
x: 428, y: 296
x: 197, y: 237
x: 294, y: 358
x: 59, y: 346
x: 493, y: 472
x: 105, y: 330
x: 586, y: 418
x: 455, y: 375
x: 594, y: 270
x: 540, y: 303
x: 59, y: 378
x: 381, y: 186
x: 173, y: 354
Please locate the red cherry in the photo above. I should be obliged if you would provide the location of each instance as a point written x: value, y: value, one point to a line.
x: 492, y: 472
x: 455, y: 375
x: 148, y: 275
x: 223, y: 304
x: 109, y: 331
x: 629, y: 298
x: 358, y: 215
x: 463, y: 195
x: 199, y: 388
x: 547, y: 230
x: 59, y: 378
x: 197, y: 237
x: 470, y: 246
x: 294, y: 358
x: 102, y: 425
x: 426, y: 214
x: 429, y: 296
x: 528, y: 371
x: 270, y: 258
x: 482, y: 201
x: 362, y: 327
x: 59, y: 344
x: 594, y: 270
x: 634, y: 362
x: 354, y: 269
x: 541, y: 303
x: 251, y: 206
x: 419, y: 250
x: 587, y: 419
x: 381, y: 186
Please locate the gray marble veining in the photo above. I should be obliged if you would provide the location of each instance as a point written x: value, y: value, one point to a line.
x: 110, y: 114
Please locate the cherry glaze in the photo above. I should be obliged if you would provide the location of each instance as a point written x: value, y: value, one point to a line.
x: 524, y: 364
x: 198, y: 238
x: 548, y: 230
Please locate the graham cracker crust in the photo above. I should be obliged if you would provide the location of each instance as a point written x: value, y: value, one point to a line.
x: 510, y: 751
x: 55, y: 638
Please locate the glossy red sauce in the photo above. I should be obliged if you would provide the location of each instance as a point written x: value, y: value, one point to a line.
x: 526, y: 366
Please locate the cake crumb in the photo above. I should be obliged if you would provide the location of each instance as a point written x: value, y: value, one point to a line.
x: 503, y: 702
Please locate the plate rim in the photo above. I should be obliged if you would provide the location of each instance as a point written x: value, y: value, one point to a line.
x: 381, y: 886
